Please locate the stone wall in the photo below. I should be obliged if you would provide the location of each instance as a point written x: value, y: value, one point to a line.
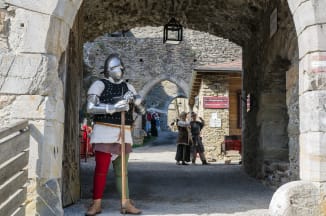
x: 213, y: 137
x: 147, y: 59
x: 273, y: 97
x: 33, y: 38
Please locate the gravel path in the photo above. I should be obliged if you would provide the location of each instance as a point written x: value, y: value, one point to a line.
x: 160, y: 187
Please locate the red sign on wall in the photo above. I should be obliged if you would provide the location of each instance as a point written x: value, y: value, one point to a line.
x: 216, y: 102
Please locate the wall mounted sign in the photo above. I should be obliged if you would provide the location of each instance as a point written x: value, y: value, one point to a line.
x: 318, y: 64
x: 215, y: 121
x: 216, y: 102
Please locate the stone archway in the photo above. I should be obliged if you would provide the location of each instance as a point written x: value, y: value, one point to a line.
x: 42, y: 90
x: 149, y: 85
x: 312, y: 95
x: 34, y: 38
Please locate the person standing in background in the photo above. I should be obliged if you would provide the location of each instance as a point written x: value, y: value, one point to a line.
x: 148, y: 123
x: 156, y: 116
x: 197, y: 144
x: 183, y: 147
x: 154, y: 131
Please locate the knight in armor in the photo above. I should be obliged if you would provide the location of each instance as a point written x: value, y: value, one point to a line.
x: 197, y: 144
x: 106, y: 99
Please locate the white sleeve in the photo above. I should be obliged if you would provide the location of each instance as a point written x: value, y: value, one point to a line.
x: 96, y: 88
x: 131, y: 88
x: 183, y: 123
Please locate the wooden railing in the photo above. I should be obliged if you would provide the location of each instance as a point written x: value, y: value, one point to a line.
x: 14, y: 151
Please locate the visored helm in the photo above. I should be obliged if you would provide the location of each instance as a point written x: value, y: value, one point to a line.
x: 113, y: 67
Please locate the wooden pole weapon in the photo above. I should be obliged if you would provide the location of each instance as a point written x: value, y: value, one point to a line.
x: 123, y: 161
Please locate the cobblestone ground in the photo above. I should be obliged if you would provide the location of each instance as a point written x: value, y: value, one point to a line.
x: 160, y: 187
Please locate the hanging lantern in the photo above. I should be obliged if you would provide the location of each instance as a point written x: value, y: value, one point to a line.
x: 172, y: 33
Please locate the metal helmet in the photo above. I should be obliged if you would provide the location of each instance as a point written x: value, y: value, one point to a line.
x: 183, y: 115
x: 113, y: 67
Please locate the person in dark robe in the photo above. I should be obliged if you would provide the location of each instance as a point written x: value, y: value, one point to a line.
x: 154, y: 131
x: 183, y: 147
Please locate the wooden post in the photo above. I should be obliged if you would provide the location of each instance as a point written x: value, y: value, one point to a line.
x: 123, y: 161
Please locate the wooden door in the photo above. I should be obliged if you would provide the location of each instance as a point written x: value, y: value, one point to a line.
x: 71, y: 64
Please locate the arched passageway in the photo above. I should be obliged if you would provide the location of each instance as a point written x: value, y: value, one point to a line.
x: 159, y: 98
x: 275, y: 63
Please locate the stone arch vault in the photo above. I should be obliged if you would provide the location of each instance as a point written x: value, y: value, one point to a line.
x: 148, y: 86
x: 34, y: 36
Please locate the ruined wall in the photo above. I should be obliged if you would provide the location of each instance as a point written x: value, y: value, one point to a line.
x: 146, y: 57
x: 273, y: 105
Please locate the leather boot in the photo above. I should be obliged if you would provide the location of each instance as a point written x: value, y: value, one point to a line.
x: 129, y: 208
x: 95, y: 208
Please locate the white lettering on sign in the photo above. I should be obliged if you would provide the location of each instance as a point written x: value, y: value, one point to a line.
x: 318, y: 66
x: 315, y: 64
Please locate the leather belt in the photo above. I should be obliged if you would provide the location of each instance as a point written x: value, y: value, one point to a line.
x: 128, y: 127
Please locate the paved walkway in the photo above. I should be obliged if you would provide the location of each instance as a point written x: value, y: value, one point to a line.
x: 160, y: 187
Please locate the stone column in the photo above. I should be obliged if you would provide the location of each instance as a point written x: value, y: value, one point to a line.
x: 37, y: 36
x: 138, y: 135
x: 307, y: 197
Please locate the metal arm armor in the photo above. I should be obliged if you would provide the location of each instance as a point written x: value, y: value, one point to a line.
x: 137, y: 100
x: 95, y: 107
x: 140, y: 109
